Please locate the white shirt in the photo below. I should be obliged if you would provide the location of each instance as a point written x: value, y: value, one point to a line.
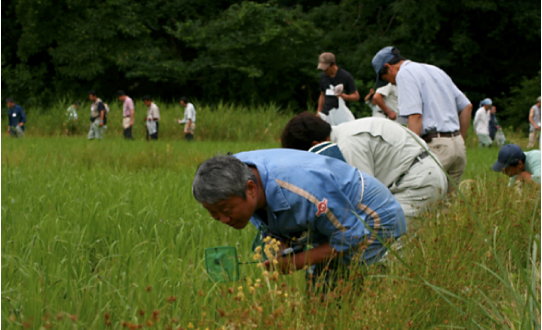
x: 189, y: 113
x: 379, y: 147
x: 389, y: 94
x: 427, y: 90
x: 481, y: 121
x: 153, y: 111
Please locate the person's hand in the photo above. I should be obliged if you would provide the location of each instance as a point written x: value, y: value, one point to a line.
x: 21, y: 124
x: 101, y: 123
x: 8, y: 129
x: 283, y: 265
x: 498, y: 127
x: 537, y: 128
x: 392, y: 116
x: 132, y: 122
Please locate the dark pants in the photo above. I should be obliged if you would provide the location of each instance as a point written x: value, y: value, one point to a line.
x: 189, y: 137
x: 153, y: 136
x: 128, y: 133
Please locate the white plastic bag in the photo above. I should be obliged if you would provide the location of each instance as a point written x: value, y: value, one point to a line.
x: 151, y: 126
x: 499, y: 137
x: 338, y: 115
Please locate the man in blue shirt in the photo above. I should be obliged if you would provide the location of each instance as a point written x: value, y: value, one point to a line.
x: 437, y: 110
x: 16, y: 118
x: 298, y: 196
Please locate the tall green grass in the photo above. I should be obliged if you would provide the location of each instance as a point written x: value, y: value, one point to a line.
x: 220, y: 122
x: 106, y: 234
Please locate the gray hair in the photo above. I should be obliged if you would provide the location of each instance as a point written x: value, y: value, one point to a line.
x: 220, y: 178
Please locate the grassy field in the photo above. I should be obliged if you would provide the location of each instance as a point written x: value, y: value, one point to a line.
x: 106, y: 234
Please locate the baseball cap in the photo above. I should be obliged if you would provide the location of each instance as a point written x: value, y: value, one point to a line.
x: 382, y: 57
x: 325, y: 60
x: 509, y: 154
x: 487, y: 101
x: 538, y: 99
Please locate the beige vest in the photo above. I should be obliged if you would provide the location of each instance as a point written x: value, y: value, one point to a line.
x: 94, y: 108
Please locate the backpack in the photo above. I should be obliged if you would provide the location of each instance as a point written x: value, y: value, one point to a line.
x: 106, y: 109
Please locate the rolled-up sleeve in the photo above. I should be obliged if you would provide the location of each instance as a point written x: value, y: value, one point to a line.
x: 409, y: 95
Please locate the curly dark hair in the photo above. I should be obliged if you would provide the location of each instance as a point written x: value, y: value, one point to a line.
x: 303, y: 129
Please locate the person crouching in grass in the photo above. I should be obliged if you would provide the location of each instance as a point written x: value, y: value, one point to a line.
x: 303, y: 199
x: 518, y: 165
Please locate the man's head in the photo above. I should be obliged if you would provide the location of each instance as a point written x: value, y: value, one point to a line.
x: 76, y: 104
x: 10, y: 102
x: 227, y: 188
x: 184, y: 101
x: 92, y: 96
x: 511, y: 160
x: 538, y: 101
x: 486, y: 103
x: 147, y: 100
x: 493, y: 109
x: 304, y: 131
x: 326, y: 63
x: 121, y: 95
x: 386, y: 64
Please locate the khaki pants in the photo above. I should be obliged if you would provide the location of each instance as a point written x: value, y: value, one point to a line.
x: 191, y: 129
x: 452, y: 154
x: 533, y: 136
x: 423, y: 184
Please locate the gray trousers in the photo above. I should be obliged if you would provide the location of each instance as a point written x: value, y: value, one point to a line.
x: 96, y: 130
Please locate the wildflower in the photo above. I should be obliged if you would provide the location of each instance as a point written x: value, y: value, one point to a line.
x: 149, y: 288
x: 73, y: 317
x: 240, y: 294
x: 265, y: 273
x: 252, y: 289
x: 267, y: 239
x: 258, y: 249
x: 141, y: 312
x: 285, y: 295
x: 171, y: 299
x: 12, y: 318
x: 190, y: 325
x: 275, y: 262
x: 240, y: 288
x: 257, y: 256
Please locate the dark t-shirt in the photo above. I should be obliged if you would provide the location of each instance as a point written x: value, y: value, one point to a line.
x: 342, y: 77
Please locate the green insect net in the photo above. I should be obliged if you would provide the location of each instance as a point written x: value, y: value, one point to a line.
x: 222, y: 264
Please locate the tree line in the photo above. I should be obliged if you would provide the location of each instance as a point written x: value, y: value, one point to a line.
x: 257, y: 52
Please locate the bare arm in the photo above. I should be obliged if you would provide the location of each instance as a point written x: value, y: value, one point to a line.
x: 102, y: 115
x: 132, y: 116
x: 321, y: 100
x: 350, y: 98
x: 464, y: 120
x: 379, y: 100
x: 314, y: 256
x: 415, y: 123
x: 368, y: 96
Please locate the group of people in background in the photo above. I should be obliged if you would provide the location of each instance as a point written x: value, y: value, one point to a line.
x: 99, y: 112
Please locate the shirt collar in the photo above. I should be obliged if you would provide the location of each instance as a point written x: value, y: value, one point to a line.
x: 273, y: 193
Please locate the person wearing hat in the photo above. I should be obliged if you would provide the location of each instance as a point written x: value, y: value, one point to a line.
x: 534, y: 119
x: 437, y: 110
x: 518, y: 165
x: 481, y: 123
x: 331, y: 79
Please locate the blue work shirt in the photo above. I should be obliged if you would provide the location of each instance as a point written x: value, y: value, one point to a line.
x: 328, y: 149
x: 325, y: 197
x: 16, y: 116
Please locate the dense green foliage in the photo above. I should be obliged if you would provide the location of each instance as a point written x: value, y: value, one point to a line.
x: 257, y: 52
x: 98, y: 232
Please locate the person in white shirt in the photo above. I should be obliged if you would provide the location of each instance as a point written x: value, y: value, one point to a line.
x: 385, y: 98
x: 152, y: 119
x: 437, y: 110
x: 390, y: 152
x: 189, y: 119
x: 481, y: 123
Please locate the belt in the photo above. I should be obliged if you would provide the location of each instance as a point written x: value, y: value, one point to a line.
x: 430, y: 136
x: 420, y: 157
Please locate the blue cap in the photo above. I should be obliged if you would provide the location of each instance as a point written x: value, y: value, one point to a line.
x: 487, y: 102
x: 509, y: 154
x: 382, y: 57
